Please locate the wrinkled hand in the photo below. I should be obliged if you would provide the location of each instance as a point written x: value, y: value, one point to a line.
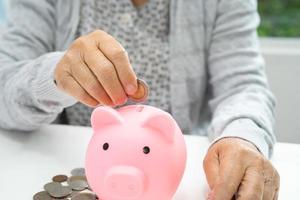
x: 96, y: 70
x: 235, y: 169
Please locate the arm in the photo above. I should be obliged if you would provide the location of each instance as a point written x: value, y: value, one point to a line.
x: 242, y: 109
x: 242, y: 104
x: 28, y: 97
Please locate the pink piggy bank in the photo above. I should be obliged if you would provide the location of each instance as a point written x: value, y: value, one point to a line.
x: 136, y: 153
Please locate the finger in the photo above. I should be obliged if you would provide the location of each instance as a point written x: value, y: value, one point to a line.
x: 106, y: 74
x: 269, y: 190
x: 211, y: 168
x: 69, y: 85
x: 230, y: 176
x: 276, y: 195
x: 114, y: 51
x: 277, y: 189
x: 271, y: 180
x: 252, y: 185
x: 89, y: 83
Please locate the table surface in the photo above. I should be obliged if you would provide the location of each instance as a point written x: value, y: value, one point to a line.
x: 29, y: 160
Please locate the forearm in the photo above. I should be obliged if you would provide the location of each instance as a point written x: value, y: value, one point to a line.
x: 29, y: 96
x: 242, y: 104
x: 244, y: 107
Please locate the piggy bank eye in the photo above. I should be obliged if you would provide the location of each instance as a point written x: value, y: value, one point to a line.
x: 105, y: 146
x: 146, y: 150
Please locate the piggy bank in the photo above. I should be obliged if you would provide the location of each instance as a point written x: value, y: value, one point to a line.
x: 136, y: 153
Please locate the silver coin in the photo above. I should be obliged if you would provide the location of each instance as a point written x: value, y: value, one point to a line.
x: 84, y: 196
x: 73, y: 194
x: 42, y: 196
x: 78, y: 185
x: 78, y: 172
x: 61, y: 192
x: 56, y: 190
x: 87, y: 190
x: 51, y: 186
x: 76, y: 178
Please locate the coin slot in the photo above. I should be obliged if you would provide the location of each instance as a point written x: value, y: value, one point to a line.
x: 140, y: 108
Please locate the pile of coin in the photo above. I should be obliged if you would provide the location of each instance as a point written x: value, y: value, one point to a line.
x: 63, y: 187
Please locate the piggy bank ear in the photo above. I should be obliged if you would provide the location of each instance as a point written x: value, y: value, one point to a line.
x: 163, y: 123
x: 103, y: 116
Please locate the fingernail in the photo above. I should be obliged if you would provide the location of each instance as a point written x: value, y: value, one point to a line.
x: 124, y: 101
x: 120, y: 101
x: 130, y: 89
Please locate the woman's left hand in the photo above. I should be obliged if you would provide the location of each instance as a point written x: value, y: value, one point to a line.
x: 235, y: 169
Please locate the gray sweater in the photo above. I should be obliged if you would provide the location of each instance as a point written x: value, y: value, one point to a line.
x: 218, y: 83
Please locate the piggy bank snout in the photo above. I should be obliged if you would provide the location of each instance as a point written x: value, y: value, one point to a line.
x: 124, y: 181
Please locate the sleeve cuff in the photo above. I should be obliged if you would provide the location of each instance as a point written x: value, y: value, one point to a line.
x: 248, y: 130
x: 45, y: 88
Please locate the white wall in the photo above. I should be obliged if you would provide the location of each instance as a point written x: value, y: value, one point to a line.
x: 283, y: 69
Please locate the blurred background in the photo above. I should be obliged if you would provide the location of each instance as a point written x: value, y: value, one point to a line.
x: 280, y: 39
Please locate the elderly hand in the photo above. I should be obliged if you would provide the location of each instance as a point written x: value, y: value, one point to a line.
x: 235, y: 169
x: 96, y: 70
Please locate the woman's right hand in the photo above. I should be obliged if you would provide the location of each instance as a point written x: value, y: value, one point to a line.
x: 96, y: 70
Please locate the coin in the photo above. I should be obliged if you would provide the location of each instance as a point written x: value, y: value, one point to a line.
x: 51, y: 186
x: 142, y: 92
x: 78, y: 172
x: 76, y: 178
x: 78, y: 185
x: 60, y: 192
x: 60, y: 178
x: 42, y: 196
x: 73, y: 194
x: 56, y: 190
x: 84, y: 196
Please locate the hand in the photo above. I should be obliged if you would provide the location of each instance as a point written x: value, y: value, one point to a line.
x: 96, y: 70
x: 235, y: 169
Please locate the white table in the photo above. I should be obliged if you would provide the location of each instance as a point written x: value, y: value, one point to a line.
x: 29, y: 160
